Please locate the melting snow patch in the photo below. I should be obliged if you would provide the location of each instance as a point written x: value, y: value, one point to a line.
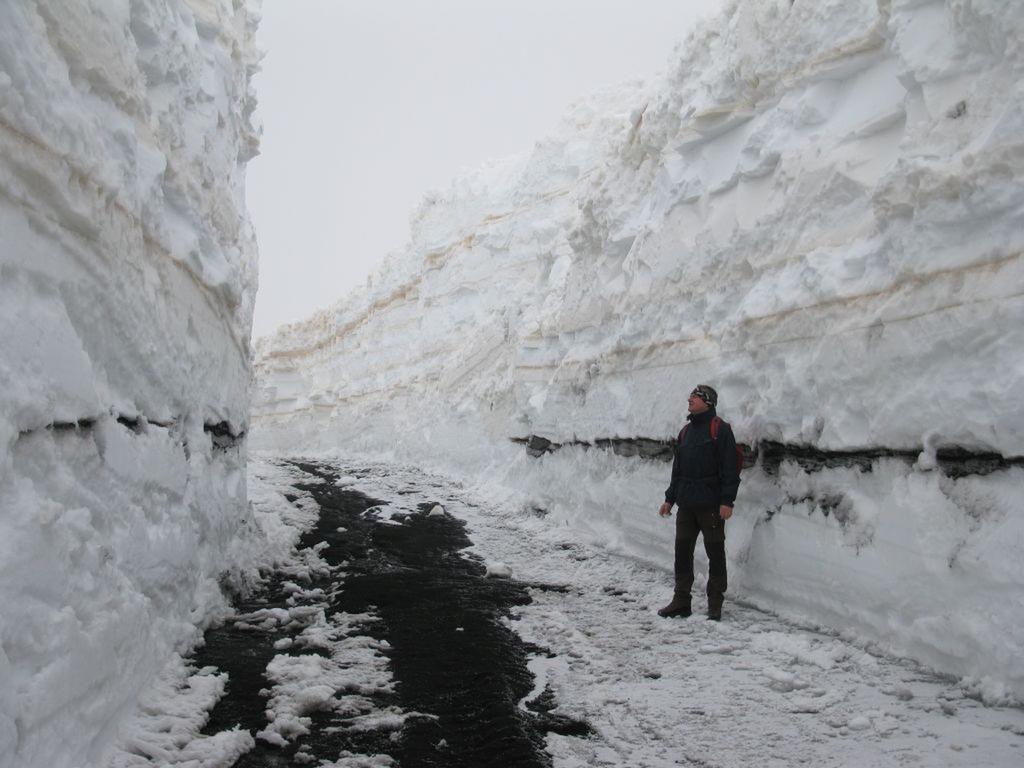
x: 348, y: 760
x: 339, y: 682
x: 390, y: 719
x: 166, y: 727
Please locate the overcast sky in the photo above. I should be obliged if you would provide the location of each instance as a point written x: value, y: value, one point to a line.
x: 367, y: 104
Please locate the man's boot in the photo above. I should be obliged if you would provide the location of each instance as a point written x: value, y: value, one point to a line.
x: 715, y: 609
x: 680, y: 606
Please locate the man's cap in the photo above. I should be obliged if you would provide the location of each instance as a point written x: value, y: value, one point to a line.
x: 707, y: 394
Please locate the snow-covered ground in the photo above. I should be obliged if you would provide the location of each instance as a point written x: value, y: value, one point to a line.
x: 127, y: 277
x: 819, y: 210
x: 752, y: 690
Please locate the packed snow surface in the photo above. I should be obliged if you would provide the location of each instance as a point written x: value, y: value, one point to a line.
x: 818, y: 209
x: 751, y: 690
x: 127, y: 277
x: 754, y: 689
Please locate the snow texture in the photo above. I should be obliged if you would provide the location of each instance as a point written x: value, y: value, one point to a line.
x: 818, y: 209
x: 166, y: 727
x: 127, y: 279
x: 351, y: 668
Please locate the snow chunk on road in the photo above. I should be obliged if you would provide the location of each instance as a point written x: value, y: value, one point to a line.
x: 338, y: 682
x: 349, y: 760
x: 498, y: 570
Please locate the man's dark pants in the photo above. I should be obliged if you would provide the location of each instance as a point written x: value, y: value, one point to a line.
x: 691, y: 521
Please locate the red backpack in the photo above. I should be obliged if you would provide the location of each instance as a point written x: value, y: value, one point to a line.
x: 716, y: 424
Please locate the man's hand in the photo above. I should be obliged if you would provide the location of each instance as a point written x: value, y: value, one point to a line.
x: 725, y: 512
x: 665, y: 510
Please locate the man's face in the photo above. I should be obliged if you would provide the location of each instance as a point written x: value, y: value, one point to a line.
x: 696, y: 405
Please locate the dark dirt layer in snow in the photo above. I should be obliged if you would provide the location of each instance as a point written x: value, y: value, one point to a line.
x: 450, y: 654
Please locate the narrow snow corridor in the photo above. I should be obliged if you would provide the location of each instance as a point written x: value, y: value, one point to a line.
x: 396, y: 636
x: 418, y: 526
x: 829, y: 232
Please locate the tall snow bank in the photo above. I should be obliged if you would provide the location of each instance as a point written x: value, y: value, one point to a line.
x: 819, y: 209
x: 127, y: 276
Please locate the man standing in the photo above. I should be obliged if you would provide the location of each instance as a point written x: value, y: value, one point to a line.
x: 705, y: 478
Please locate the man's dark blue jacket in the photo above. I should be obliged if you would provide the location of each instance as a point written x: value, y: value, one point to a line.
x: 704, y: 472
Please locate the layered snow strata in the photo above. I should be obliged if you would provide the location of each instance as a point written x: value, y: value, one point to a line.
x: 127, y: 277
x: 818, y: 210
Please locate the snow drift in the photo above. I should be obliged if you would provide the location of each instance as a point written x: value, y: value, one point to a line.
x: 819, y: 210
x: 127, y: 277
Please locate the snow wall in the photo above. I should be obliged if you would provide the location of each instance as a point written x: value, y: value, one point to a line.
x: 127, y: 276
x: 819, y: 210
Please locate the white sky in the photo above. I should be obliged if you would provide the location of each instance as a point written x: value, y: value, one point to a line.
x: 367, y: 104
